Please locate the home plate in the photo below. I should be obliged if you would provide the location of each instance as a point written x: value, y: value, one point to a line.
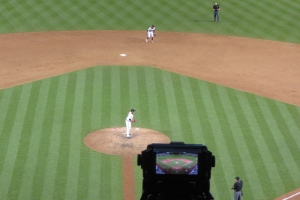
x: 123, y: 54
x: 137, y: 129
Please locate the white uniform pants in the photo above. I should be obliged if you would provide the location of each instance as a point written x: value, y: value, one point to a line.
x: 128, y: 127
x: 150, y: 34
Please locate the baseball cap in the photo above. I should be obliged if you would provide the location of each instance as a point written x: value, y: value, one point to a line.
x: 132, y: 110
x: 237, y: 178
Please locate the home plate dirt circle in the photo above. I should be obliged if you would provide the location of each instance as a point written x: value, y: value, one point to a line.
x: 113, y: 140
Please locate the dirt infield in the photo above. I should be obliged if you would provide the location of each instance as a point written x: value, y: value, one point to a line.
x: 266, y: 68
x: 293, y: 195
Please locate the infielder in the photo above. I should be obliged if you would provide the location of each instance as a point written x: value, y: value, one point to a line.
x: 128, y: 121
x: 150, y: 33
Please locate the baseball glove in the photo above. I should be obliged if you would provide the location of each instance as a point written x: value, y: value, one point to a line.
x: 133, y: 120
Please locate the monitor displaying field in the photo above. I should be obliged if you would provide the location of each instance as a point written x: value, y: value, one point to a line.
x: 177, y: 163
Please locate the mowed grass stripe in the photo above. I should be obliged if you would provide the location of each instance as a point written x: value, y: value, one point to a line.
x: 111, y: 176
x: 254, y: 120
x: 85, y: 152
x: 276, y: 168
x: 201, y: 93
x: 11, y: 99
x: 116, y: 186
x: 48, y: 191
x: 27, y: 179
x: 116, y: 118
x: 292, y: 119
x: 282, y: 123
x: 75, y: 136
x: 144, y: 108
x: 198, y: 112
x: 192, y: 116
x: 20, y: 101
x: 61, y: 177
x: 153, y: 115
x: 175, y: 124
x: 88, y: 91
x: 94, y: 178
x: 124, y: 93
x: 273, y: 159
x: 134, y: 94
x: 246, y: 168
x: 23, y: 146
x: 4, y: 109
x: 211, y: 103
x: 224, y: 111
x: 287, y: 161
x: 251, y: 144
x: 97, y: 94
x: 108, y: 172
x: 164, y: 112
x: 182, y: 106
x: 106, y: 98
x: 42, y: 149
x: 5, y: 98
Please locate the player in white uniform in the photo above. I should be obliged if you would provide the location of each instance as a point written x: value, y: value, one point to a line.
x: 151, y: 33
x: 128, y: 121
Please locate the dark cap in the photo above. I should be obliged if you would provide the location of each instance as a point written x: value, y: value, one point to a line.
x: 132, y: 110
x: 237, y: 178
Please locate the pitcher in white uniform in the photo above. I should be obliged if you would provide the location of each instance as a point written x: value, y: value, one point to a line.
x: 128, y: 121
x: 150, y: 33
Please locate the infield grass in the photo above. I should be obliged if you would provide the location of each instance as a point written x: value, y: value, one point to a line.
x: 43, y: 123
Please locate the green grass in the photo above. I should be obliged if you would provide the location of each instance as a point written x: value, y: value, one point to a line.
x: 43, y: 123
x: 274, y: 20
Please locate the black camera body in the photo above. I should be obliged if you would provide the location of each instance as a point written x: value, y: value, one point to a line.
x: 176, y: 171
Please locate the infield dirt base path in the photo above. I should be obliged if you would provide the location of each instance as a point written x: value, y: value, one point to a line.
x: 266, y: 68
x: 293, y: 195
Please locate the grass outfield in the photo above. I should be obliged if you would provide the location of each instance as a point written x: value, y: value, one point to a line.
x: 43, y: 123
x: 275, y: 20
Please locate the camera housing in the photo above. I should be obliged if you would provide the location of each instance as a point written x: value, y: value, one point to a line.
x: 176, y: 171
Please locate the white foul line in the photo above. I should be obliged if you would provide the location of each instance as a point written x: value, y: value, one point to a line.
x: 291, y: 196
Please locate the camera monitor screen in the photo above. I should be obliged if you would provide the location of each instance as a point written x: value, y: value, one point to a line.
x: 177, y: 163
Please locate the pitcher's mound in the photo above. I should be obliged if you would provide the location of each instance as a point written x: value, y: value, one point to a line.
x: 114, y: 141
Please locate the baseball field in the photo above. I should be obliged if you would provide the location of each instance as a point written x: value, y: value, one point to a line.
x: 176, y: 164
x: 232, y: 85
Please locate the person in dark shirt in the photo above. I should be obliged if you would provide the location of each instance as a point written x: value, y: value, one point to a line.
x: 216, y: 9
x: 237, y: 187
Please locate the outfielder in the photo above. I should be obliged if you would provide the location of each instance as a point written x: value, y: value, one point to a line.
x: 150, y: 33
x: 128, y: 121
x: 216, y: 9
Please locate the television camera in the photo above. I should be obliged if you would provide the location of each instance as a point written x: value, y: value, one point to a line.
x: 176, y: 171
